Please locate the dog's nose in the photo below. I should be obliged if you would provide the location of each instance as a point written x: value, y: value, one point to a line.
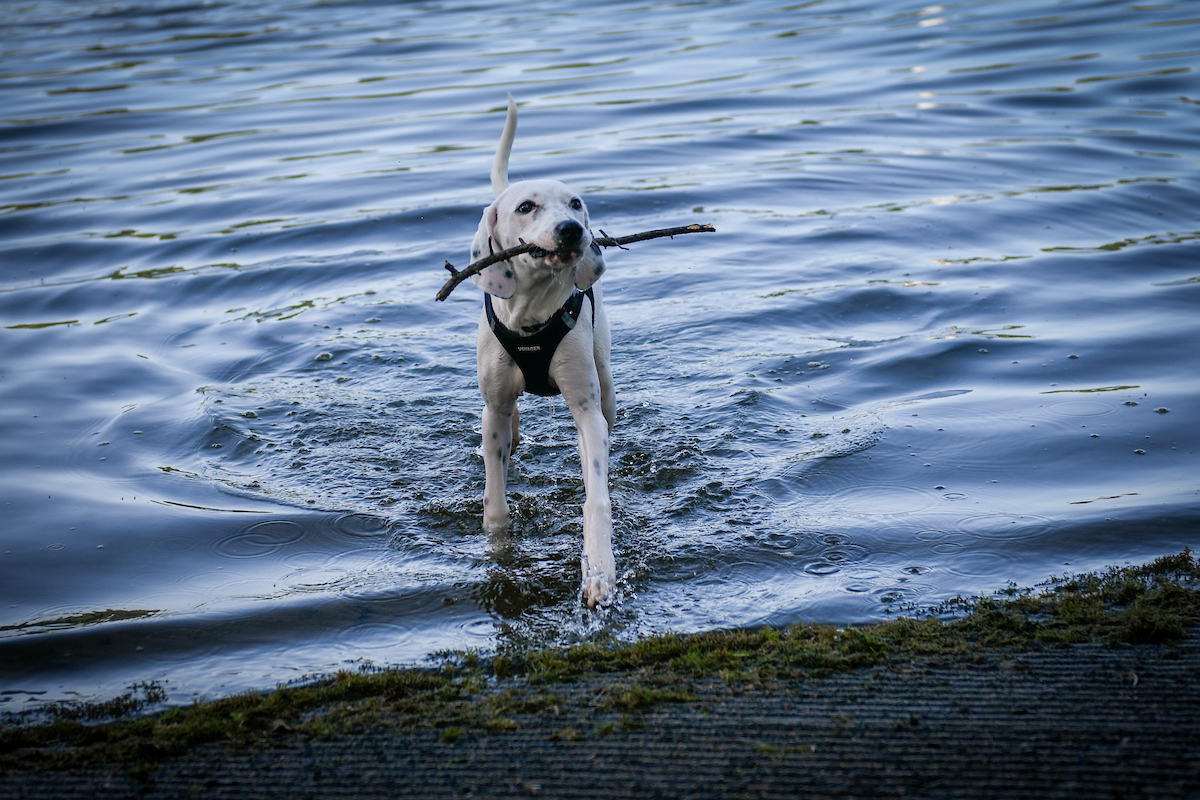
x: 569, y: 233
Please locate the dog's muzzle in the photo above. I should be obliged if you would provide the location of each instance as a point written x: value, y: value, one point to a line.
x: 570, y: 236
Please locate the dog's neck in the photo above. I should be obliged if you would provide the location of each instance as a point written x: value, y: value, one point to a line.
x: 531, y: 306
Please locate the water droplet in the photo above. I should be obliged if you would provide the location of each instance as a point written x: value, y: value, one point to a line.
x: 325, y: 357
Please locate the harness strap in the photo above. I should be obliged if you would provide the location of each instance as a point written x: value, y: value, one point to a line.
x: 533, y: 353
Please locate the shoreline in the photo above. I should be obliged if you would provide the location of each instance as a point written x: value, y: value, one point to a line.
x: 1086, y: 687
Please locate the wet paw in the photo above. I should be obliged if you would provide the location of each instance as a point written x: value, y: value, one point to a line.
x: 599, y: 586
x: 597, y: 593
x: 495, y: 523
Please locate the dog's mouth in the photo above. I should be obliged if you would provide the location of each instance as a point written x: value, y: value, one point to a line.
x: 562, y: 255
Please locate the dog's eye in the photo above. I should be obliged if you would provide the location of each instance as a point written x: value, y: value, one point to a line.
x: 525, y: 207
x: 576, y: 203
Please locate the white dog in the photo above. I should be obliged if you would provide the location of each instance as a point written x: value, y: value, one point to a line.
x: 544, y: 331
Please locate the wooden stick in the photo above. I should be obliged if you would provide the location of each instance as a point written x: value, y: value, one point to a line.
x: 605, y: 241
x: 458, y: 276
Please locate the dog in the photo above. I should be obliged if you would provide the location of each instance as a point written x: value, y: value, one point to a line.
x: 530, y: 301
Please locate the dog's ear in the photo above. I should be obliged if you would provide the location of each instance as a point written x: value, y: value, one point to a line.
x: 497, y: 280
x: 589, y: 268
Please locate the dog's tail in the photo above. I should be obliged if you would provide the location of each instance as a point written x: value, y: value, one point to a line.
x: 500, y: 165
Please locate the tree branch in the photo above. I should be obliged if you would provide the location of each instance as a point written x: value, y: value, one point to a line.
x: 458, y: 276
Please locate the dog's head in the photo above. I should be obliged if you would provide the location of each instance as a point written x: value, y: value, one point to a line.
x: 544, y: 213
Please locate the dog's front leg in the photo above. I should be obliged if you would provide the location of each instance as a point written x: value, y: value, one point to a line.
x: 497, y: 447
x: 598, y: 565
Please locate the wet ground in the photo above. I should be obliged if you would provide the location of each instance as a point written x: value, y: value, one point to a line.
x: 1087, y: 722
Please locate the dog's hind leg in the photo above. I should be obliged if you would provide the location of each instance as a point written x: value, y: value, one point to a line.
x: 516, y: 428
x: 608, y: 395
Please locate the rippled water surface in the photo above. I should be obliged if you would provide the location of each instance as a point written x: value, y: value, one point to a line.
x: 945, y: 336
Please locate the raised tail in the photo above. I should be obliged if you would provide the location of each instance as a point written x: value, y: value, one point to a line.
x: 500, y: 165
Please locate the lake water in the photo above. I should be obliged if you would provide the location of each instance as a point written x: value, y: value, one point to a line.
x: 945, y: 336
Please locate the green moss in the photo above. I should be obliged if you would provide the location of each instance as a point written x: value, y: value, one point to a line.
x: 1152, y: 604
x: 240, y: 718
x: 87, y: 618
x: 566, y: 735
x: 632, y: 722
x: 639, y: 697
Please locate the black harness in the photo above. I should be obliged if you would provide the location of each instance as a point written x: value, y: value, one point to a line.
x: 533, y: 352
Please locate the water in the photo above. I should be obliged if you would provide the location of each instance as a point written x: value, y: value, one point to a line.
x: 944, y: 338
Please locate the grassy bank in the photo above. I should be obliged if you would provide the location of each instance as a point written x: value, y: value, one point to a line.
x: 1156, y: 603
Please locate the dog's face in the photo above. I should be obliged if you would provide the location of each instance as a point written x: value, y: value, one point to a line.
x: 544, y: 213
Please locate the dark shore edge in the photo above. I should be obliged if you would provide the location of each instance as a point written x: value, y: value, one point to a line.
x: 593, y: 691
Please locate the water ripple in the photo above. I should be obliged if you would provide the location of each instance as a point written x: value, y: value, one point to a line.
x: 260, y: 539
x: 953, y: 281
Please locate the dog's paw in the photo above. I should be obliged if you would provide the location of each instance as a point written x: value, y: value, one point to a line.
x: 495, y: 522
x: 599, y: 586
x: 597, y: 592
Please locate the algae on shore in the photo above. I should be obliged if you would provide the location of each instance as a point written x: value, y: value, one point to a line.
x: 1156, y: 603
